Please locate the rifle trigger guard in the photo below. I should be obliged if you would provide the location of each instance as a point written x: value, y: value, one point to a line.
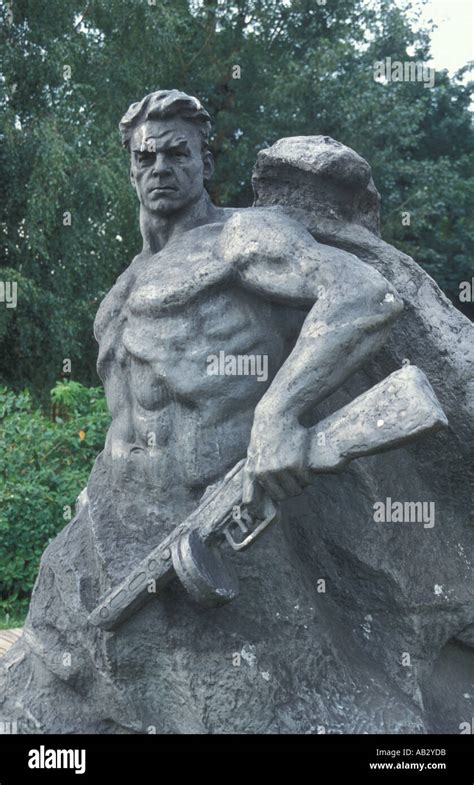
x: 244, y: 523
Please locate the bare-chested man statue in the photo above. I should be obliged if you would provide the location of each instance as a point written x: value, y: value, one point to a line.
x: 211, y: 280
x: 208, y: 282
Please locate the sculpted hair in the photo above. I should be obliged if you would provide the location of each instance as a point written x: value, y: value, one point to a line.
x: 165, y: 103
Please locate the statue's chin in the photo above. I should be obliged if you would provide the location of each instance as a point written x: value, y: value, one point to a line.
x: 164, y: 206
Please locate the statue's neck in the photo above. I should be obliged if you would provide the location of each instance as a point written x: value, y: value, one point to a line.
x: 158, y: 229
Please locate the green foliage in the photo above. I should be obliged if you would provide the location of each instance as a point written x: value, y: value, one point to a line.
x: 9, y: 621
x: 45, y: 460
x: 70, y: 68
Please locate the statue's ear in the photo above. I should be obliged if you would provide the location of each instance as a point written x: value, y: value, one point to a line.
x: 208, y: 165
x: 132, y: 178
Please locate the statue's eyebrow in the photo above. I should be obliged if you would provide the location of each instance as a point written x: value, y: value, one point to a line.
x: 180, y: 143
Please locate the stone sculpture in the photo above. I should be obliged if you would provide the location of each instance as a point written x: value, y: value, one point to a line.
x: 225, y: 342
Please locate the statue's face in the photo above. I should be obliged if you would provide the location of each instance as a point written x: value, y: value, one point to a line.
x: 168, y: 167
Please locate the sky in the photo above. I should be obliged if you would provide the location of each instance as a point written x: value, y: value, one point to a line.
x: 453, y: 41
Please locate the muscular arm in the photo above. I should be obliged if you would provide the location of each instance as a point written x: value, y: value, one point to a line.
x: 351, y: 309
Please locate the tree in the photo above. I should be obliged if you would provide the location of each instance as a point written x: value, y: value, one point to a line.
x: 265, y: 69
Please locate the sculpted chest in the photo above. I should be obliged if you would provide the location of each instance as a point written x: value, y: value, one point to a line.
x: 160, y: 284
x: 186, y: 301
x: 184, y: 304
x: 180, y: 272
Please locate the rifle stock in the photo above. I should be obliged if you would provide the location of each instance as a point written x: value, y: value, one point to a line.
x: 394, y: 412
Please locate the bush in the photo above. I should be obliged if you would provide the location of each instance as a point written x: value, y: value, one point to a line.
x: 45, y: 461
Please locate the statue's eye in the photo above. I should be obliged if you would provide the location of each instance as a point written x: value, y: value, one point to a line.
x: 145, y: 158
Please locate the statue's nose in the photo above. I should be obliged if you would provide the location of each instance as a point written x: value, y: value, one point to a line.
x: 161, y: 165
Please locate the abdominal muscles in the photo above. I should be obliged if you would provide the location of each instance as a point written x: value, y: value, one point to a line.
x: 195, y: 379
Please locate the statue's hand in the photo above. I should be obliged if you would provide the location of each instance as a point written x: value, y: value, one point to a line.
x: 276, y: 460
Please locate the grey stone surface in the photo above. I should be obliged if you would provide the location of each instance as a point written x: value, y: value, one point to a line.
x: 283, y: 656
x: 419, y: 581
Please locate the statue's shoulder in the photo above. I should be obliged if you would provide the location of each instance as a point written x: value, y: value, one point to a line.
x: 239, y: 219
x: 268, y: 230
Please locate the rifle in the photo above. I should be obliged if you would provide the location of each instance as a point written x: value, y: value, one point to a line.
x: 394, y: 412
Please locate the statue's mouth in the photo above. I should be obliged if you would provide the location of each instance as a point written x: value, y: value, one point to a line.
x: 162, y: 189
